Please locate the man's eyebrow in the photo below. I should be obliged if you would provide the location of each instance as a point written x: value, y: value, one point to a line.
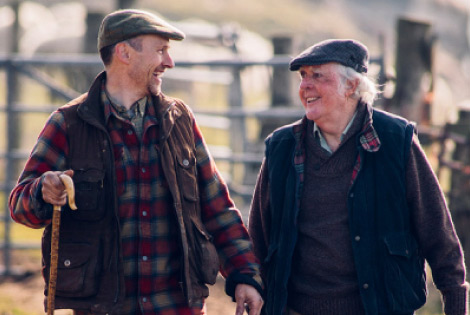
x: 163, y: 45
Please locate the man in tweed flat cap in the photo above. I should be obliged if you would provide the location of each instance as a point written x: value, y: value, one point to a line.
x: 347, y: 208
x: 155, y: 222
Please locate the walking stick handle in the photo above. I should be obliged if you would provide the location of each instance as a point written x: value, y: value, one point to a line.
x: 68, y: 183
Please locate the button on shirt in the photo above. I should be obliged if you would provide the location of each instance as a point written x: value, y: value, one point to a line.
x: 149, y: 232
x: 148, y: 229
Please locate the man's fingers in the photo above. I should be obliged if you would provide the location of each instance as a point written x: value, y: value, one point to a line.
x: 53, y: 189
x: 69, y: 173
x: 54, y: 198
x: 240, y: 307
x: 254, y: 309
x: 248, y: 297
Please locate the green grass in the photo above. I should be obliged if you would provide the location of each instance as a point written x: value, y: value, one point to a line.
x: 7, y: 307
x: 21, y: 233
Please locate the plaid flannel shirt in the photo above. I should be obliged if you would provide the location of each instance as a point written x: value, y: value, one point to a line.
x: 148, y: 230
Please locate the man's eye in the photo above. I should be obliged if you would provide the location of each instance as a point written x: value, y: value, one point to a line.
x: 305, y: 75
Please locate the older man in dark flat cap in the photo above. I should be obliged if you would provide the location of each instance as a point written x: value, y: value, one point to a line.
x: 154, y: 215
x: 347, y: 208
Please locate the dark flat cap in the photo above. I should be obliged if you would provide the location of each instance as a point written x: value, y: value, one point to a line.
x: 347, y: 52
x: 124, y: 24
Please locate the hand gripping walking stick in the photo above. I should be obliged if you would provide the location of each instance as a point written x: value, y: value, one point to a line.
x: 68, y: 183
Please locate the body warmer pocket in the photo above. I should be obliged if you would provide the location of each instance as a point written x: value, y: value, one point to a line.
x: 404, y: 273
x: 77, y: 272
x: 206, y: 260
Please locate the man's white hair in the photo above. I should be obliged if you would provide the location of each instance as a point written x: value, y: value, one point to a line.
x: 366, y: 90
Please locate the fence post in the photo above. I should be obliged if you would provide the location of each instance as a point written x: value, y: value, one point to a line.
x: 11, y: 133
x: 281, y: 85
x: 13, y: 138
x: 413, y: 71
x: 381, y: 75
x: 238, y: 132
x: 459, y: 197
x: 238, y: 142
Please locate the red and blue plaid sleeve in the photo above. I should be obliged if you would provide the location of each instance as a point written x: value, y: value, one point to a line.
x: 222, y: 219
x: 48, y: 154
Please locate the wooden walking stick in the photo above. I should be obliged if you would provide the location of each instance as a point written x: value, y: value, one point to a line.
x: 68, y: 183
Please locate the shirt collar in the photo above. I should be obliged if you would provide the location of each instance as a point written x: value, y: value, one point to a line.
x: 111, y: 108
x: 318, y: 134
x: 368, y: 137
x: 141, y: 105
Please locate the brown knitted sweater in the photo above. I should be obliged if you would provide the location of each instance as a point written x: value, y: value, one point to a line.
x: 323, y: 277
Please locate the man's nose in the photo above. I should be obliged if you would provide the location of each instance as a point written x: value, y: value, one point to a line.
x: 168, y: 61
x: 306, y: 83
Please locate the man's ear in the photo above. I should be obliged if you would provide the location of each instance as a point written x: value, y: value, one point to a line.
x: 121, y: 52
x: 351, y: 86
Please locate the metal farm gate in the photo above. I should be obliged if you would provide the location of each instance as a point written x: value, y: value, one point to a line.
x: 238, y: 152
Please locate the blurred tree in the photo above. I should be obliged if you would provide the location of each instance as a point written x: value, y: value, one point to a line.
x: 281, y: 86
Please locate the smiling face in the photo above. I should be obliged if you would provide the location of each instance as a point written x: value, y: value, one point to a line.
x: 321, y: 93
x: 148, y: 62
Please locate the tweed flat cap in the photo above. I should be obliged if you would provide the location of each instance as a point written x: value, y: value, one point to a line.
x: 124, y: 24
x: 347, y: 52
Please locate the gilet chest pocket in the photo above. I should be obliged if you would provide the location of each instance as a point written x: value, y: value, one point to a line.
x: 89, y: 195
x: 187, y: 176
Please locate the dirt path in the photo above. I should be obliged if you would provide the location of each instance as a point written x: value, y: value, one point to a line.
x: 24, y: 295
